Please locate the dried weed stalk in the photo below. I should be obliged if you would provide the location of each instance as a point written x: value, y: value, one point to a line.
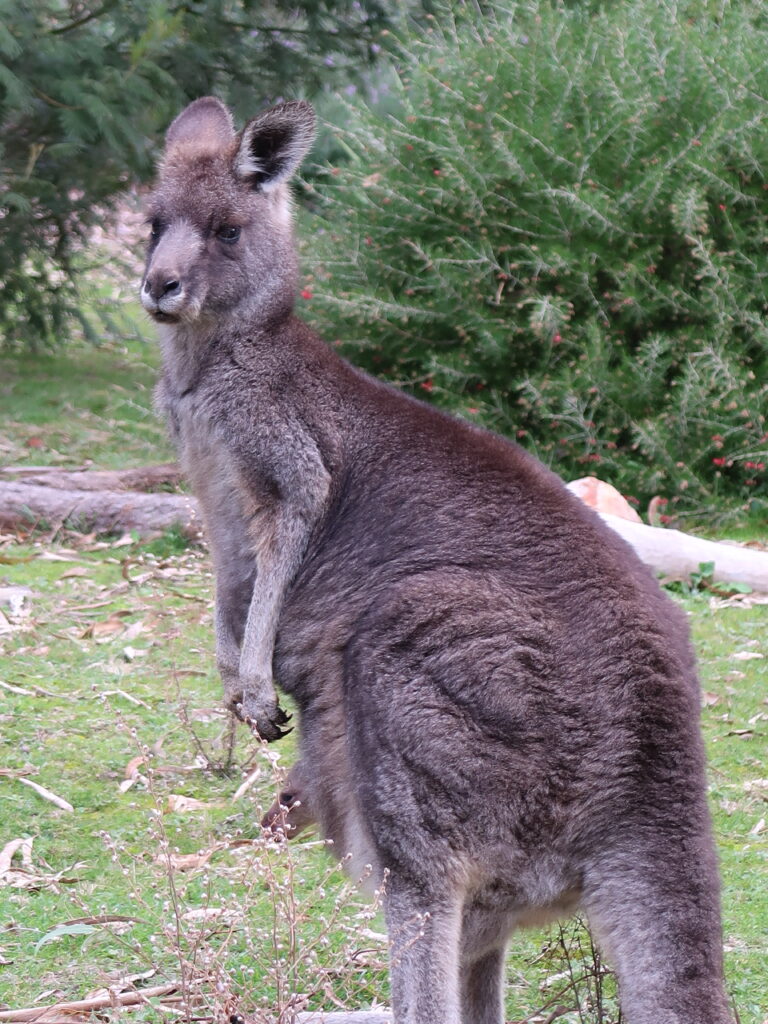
x: 251, y: 934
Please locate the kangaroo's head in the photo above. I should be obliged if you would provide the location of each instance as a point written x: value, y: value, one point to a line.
x: 292, y: 812
x: 222, y: 239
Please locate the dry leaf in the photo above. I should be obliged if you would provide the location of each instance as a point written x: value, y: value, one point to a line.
x: 73, y: 573
x: 739, y: 600
x: 10, y: 849
x: 746, y: 655
x: 27, y: 876
x: 63, y: 555
x: 119, y: 982
x: 759, y: 827
x: 710, y: 699
x: 133, y: 630
x: 132, y: 773
x: 140, y: 578
x: 132, y: 653
x: 185, y: 861
x: 132, y: 768
x: 186, y: 804
x: 107, y: 627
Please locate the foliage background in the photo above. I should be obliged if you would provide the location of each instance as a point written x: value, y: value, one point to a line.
x: 548, y: 217
x: 561, y: 233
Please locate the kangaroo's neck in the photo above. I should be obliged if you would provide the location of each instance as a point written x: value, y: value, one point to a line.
x: 187, y: 348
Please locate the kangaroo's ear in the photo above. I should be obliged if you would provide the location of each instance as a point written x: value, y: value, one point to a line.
x: 205, y: 124
x: 273, y: 144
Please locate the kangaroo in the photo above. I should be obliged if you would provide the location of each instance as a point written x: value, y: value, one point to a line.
x: 499, y: 705
x: 291, y: 813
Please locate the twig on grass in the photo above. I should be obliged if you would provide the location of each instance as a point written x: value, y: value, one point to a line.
x: 246, y: 785
x: 126, y: 696
x: 46, y: 794
x: 42, y: 1013
x: 16, y: 689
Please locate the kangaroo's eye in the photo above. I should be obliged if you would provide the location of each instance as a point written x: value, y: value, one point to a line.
x: 156, y: 229
x: 228, y: 233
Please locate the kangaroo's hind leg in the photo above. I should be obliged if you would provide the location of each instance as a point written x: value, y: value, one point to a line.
x: 424, y: 934
x: 656, y: 912
x: 481, y: 978
x: 482, y: 989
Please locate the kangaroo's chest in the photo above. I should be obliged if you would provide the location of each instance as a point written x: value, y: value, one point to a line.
x: 205, y: 453
x: 228, y: 485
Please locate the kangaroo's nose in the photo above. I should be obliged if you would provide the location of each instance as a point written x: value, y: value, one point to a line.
x: 160, y: 286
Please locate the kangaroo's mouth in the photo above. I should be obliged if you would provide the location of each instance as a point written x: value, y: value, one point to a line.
x: 163, y: 317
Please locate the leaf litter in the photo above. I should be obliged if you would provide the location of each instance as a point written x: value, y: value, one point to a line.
x: 27, y: 875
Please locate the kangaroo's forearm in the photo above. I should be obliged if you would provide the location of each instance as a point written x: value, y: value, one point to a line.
x: 278, y: 562
x: 227, y: 642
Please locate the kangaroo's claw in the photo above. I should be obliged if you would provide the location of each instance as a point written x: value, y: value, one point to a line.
x: 266, y: 726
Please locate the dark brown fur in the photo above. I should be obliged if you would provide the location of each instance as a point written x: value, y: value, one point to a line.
x: 498, y: 704
x: 292, y: 812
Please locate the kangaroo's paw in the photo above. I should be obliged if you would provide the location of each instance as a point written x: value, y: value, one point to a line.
x: 262, y: 713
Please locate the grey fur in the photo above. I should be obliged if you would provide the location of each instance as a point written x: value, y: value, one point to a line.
x: 499, y: 706
x: 344, y: 1017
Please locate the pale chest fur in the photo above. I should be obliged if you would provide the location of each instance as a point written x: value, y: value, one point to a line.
x: 204, y: 453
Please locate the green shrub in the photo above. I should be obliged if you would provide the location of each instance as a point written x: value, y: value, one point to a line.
x: 562, y: 234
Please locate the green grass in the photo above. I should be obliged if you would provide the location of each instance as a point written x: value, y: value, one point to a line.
x: 98, y: 691
x: 114, y: 661
x: 88, y: 404
x: 103, y: 670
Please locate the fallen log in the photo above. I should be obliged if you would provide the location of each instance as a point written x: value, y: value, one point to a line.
x: 96, y: 511
x: 671, y: 552
x: 382, y: 1016
x: 143, y: 478
x: 110, y: 501
x: 679, y: 554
